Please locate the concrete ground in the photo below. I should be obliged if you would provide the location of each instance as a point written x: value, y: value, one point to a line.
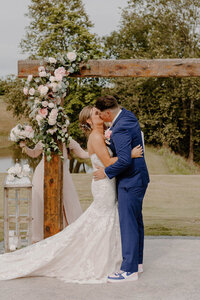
x: 171, y: 272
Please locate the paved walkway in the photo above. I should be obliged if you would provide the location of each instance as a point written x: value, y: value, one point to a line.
x: 171, y: 272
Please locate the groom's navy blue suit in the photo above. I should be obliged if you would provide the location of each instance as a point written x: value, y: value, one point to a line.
x: 132, y: 180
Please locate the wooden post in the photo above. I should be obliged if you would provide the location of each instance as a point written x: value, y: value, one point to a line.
x: 53, y: 195
x: 53, y: 175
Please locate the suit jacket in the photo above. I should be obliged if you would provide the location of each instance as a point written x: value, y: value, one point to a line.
x: 126, y: 134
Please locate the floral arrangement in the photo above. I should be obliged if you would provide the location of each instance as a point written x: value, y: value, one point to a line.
x: 18, y: 171
x: 45, y: 95
x: 21, y: 132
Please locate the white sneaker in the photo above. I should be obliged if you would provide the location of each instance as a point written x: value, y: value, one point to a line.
x: 122, y: 276
x: 140, y: 268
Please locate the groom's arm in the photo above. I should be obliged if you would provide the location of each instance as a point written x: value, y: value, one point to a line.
x: 122, y: 142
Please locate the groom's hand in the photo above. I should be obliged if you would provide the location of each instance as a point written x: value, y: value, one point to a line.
x: 99, y: 174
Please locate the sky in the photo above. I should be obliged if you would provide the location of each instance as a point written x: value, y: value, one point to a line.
x: 105, y: 14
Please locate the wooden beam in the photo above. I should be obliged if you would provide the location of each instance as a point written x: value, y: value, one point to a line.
x: 127, y: 68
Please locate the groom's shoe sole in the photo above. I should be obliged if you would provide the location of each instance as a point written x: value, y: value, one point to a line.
x: 132, y: 277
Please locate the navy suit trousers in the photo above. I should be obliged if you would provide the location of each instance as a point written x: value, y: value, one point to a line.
x: 131, y: 226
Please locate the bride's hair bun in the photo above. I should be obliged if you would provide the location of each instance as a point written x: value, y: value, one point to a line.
x: 84, y: 115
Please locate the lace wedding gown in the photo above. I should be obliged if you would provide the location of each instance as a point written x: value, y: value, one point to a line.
x: 84, y: 252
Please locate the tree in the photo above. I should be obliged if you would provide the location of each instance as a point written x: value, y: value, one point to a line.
x: 167, y: 108
x: 55, y: 25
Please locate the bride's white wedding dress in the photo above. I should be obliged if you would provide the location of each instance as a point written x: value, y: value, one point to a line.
x: 84, y: 252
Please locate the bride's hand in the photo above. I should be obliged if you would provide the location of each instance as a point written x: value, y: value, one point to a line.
x: 22, y: 144
x: 137, y: 152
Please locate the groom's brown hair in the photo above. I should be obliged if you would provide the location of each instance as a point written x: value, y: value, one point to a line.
x: 106, y: 102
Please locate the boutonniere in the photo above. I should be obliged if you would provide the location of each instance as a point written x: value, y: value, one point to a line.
x: 107, y: 135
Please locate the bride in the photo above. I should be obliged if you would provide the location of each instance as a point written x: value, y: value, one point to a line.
x: 71, y: 205
x: 90, y: 248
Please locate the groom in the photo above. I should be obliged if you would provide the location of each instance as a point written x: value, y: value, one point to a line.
x: 132, y: 180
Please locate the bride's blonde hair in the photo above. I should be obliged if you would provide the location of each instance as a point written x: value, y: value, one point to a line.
x: 84, y: 115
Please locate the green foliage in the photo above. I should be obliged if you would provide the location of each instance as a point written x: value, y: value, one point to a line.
x: 168, y: 108
x: 15, y: 98
x: 2, y: 87
x: 55, y: 25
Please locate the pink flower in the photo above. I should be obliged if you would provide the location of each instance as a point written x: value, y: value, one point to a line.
x: 107, y: 134
x: 29, y: 132
x: 32, y: 91
x: 60, y: 73
x: 71, y: 56
x: 43, y: 112
x: 25, y: 90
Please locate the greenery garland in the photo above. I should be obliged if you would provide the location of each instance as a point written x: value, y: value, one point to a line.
x: 45, y: 94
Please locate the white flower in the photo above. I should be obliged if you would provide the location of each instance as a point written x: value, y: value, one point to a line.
x: 54, y: 86
x: 42, y: 74
x: 67, y: 123
x: 52, y: 60
x: 41, y: 69
x: 11, y: 177
x: 52, y: 121
x: 51, y: 105
x: 39, y: 118
x: 26, y: 170
x: 53, y: 116
x: 52, y: 78
x: 25, y: 90
x: 58, y: 100
x: 71, y: 56
x: 60, y: 73
x: 18, y: 170
x: 29, y: 132
x: 44, y: 103
x: 37, y: 101
x: 43, y: 90
x: 30, y: 77
x: 64, y: 130
x: 32, y: 91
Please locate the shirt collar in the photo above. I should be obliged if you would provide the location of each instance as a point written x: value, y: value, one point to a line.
x: 116, y: 117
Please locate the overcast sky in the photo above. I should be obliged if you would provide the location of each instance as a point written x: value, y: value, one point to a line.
x: 105, y: 14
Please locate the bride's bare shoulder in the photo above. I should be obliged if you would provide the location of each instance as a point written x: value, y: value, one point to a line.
x: 96, y: 136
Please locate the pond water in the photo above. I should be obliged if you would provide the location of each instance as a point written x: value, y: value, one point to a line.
x: 7, y: 162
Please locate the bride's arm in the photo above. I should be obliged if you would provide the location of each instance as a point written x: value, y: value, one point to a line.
x: 77, y: 150
x: 98, y: 145
x: 32, y: 152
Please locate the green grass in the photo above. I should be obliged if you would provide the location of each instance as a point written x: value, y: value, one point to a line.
x: 171, y: 204
x: 163, y: 161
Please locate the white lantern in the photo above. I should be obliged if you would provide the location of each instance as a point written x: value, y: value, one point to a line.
x: 17, y: 213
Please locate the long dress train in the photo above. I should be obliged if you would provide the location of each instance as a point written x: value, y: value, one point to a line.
x: 71, y: 202
x: 84, y: 252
